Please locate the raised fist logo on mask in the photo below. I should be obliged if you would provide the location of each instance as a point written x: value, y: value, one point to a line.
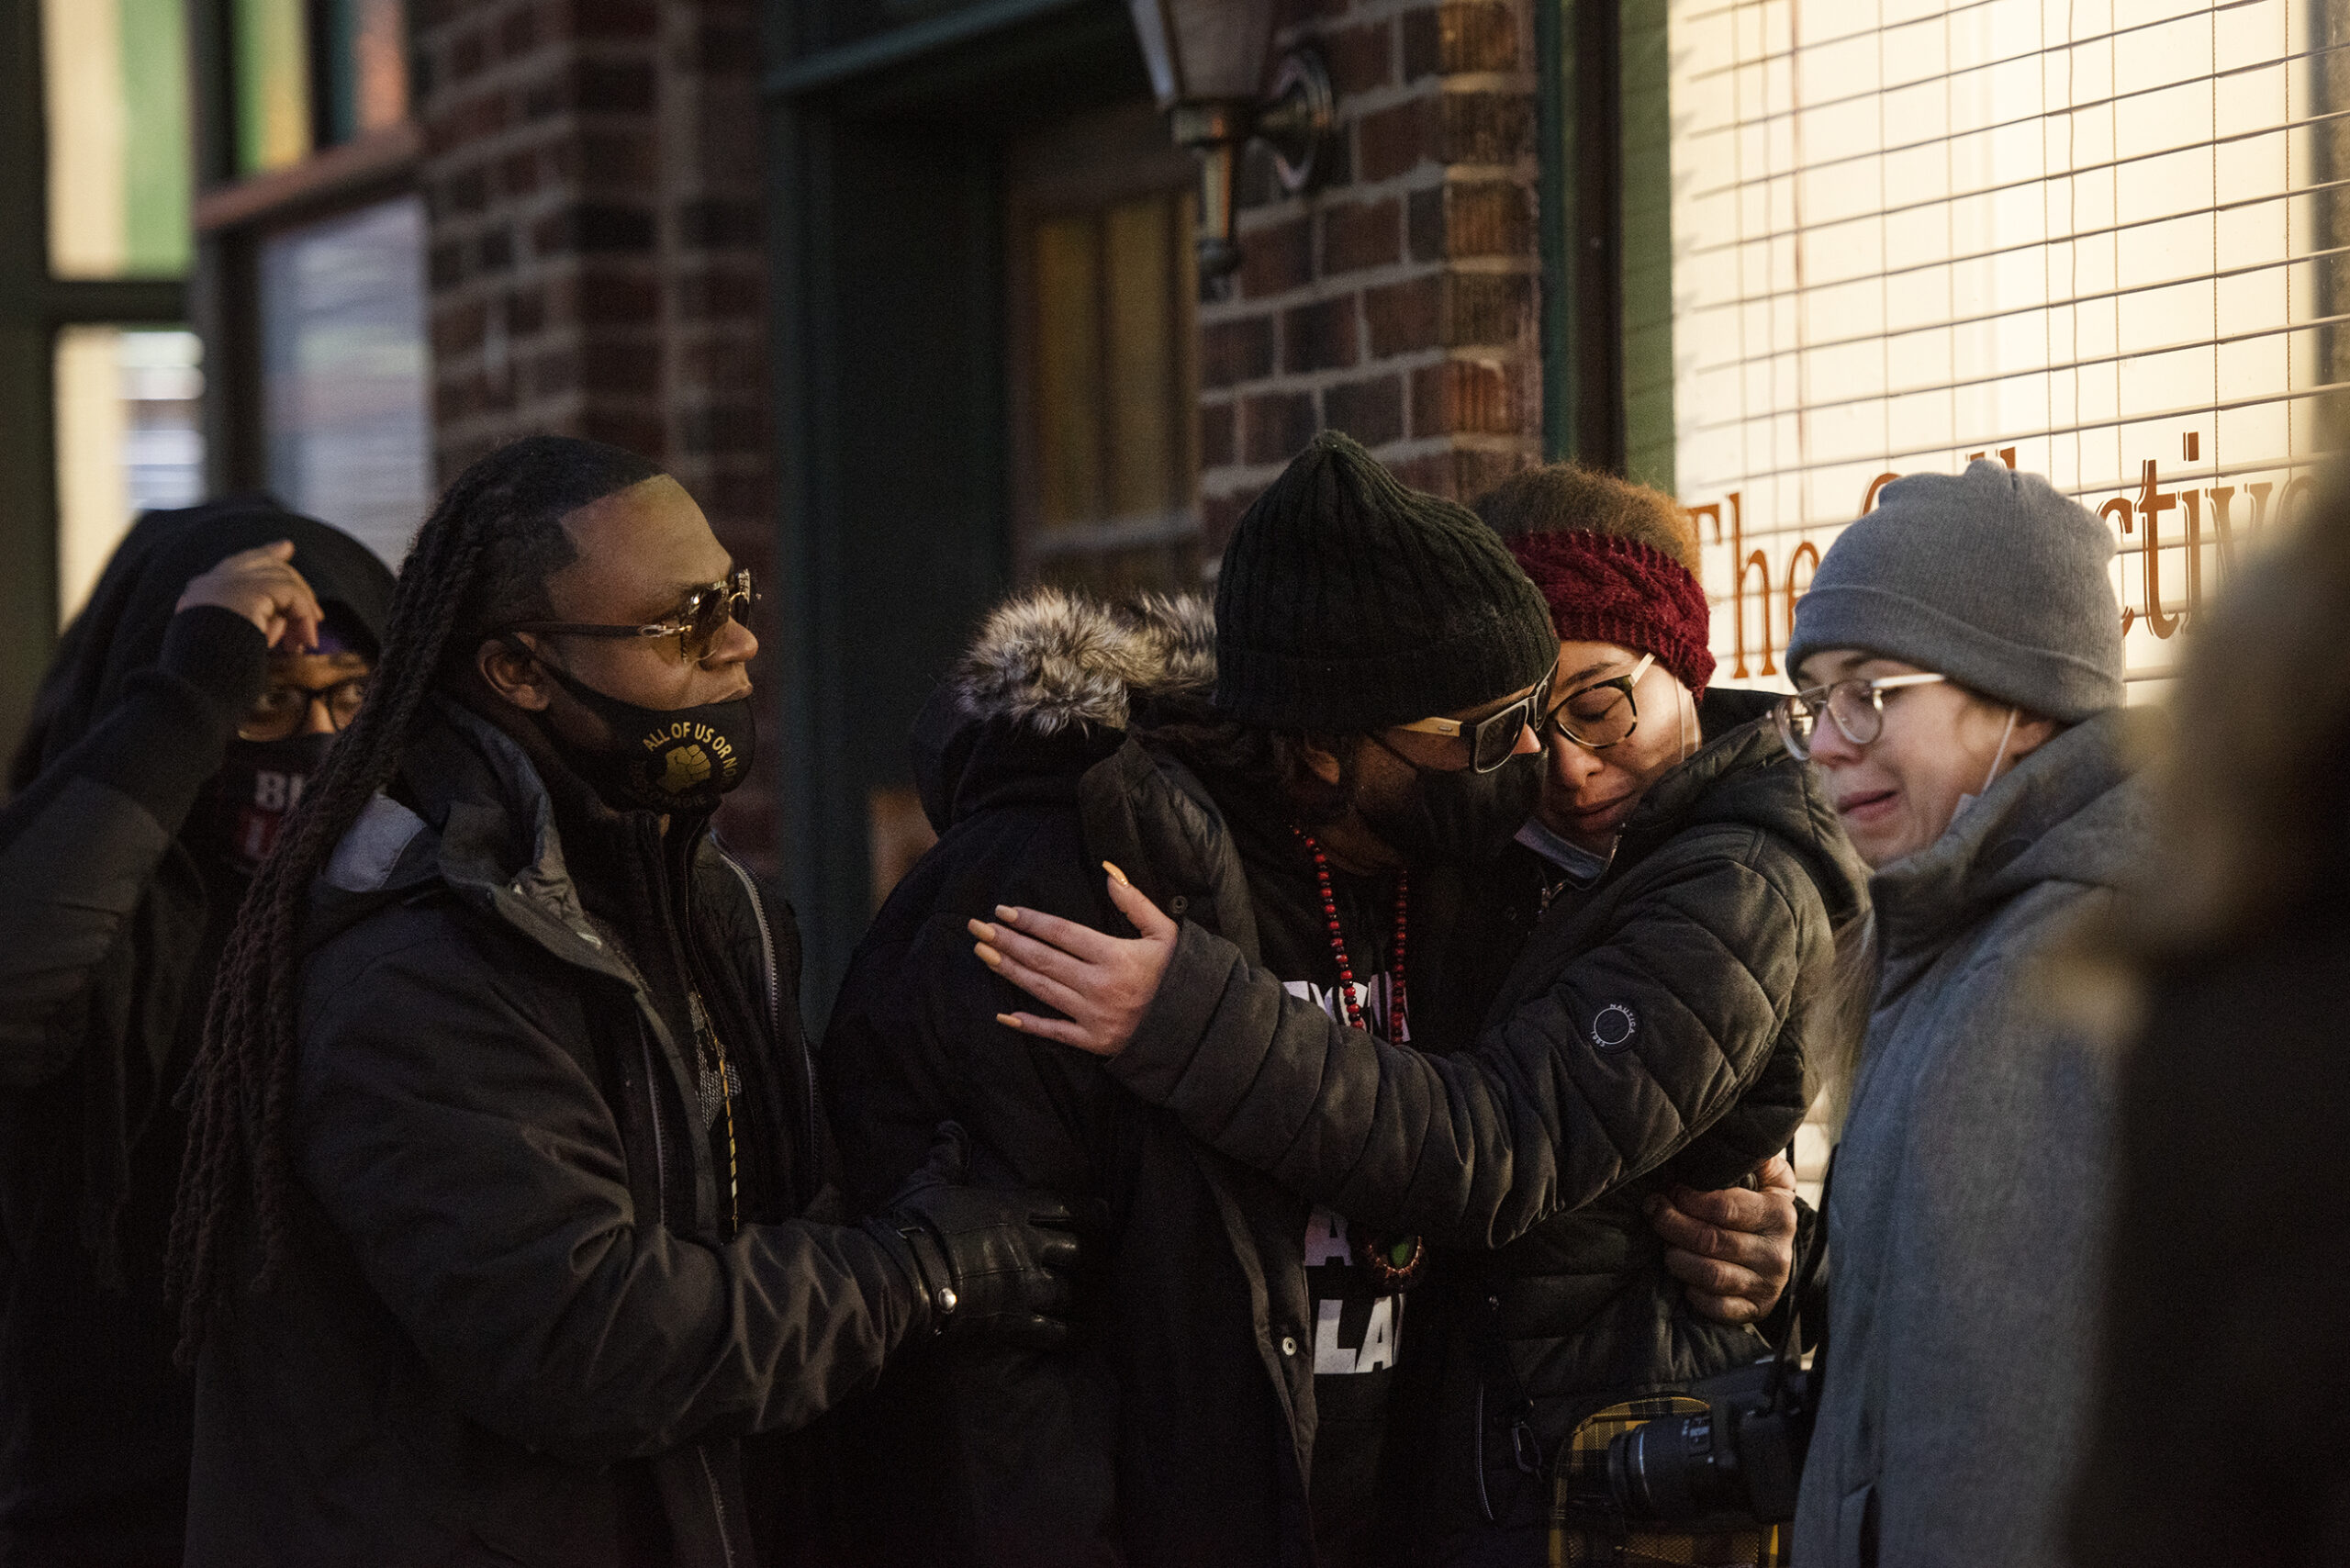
x: 687, y: 767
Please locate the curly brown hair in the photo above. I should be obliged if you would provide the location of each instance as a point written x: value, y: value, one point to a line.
x: 1567, y: 497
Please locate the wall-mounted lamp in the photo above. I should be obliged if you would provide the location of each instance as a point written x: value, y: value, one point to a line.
x: 1207, y: 64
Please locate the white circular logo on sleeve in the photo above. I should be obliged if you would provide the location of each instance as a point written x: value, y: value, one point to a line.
x: 1613, y: 1027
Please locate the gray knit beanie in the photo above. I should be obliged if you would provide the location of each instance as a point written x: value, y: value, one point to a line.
x: 1990, y: 578
x: 1349, y: 602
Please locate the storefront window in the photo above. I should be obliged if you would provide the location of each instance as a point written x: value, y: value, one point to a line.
x: 349, y: 435
x: 115, y: 101
x: 2089, y: 238
x: 1105, y: 391
x: 128, y: 440
x: 312, y: 74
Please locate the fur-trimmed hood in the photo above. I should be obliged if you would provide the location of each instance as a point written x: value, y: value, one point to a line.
x: 1051, y: 682
x: 1049, y: 658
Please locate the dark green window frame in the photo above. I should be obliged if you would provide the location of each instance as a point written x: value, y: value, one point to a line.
x: 1607, y: 236
x: 33, y: 307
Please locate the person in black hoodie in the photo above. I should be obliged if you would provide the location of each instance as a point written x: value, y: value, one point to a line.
x: 1228, y: 1399
x: 221, y: 650
x: 505, y: 1235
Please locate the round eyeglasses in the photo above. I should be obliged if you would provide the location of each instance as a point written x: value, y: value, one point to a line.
x: 1855, y: 707
x: 699, y: 619
x: 283, y: 709
x: 1604, y: 713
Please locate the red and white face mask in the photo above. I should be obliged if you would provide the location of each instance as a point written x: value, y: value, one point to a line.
x: 259, y: 784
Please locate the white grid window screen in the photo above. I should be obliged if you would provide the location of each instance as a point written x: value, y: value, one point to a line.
x: 2085, y: 234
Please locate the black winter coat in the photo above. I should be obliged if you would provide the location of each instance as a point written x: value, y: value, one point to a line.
x: 511, y: 1327
x: 1650, y: 1031
x: 114, y: 905
x: 1177, y: 1426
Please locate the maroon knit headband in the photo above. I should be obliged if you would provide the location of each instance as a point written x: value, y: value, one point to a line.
x: 1602, y: 588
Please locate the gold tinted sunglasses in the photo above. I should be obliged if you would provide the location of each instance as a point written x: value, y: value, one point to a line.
x: 700, y: 621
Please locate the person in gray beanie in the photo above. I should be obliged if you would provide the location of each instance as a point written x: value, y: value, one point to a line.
x: 1960, y: 666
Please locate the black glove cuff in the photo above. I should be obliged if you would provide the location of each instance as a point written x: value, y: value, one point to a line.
x: 917, y: 1255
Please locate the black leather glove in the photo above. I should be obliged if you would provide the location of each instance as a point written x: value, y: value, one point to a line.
x: 982, y: 1261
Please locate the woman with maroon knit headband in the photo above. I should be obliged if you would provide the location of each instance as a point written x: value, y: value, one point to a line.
x: 1640, y: 1063
x: 1632, y: 622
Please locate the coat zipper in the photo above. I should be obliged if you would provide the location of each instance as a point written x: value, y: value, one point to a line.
x: 661, y: 1197
x: 775, y: 993
x: 717, y: 1502
x: 660, y: 1147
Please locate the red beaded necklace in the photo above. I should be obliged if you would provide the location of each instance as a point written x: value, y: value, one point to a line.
x: 1393, y: 1263
x: 1397, y: 1032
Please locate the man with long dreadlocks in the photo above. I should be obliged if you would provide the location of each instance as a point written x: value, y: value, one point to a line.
x: 220, y: 649
x: 503, y: 1229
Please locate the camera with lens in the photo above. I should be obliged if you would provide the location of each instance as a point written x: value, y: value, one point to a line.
x: 1737, y: 1464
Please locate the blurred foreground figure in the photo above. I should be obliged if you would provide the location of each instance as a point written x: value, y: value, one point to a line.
x: 2222, y: 1425
x: 222, y: 648
x: 503, y: 1231
x: 1959, y: 661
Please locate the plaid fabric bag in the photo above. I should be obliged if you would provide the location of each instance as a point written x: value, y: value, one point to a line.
x: 1587, y: 1535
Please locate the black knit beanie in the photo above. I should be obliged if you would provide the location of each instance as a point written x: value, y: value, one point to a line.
x: 1348, y: 602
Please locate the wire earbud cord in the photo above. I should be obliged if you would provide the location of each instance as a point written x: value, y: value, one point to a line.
x: 2001, y: 755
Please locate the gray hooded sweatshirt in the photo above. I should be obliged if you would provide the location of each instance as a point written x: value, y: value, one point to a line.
x: 1968, y: 1192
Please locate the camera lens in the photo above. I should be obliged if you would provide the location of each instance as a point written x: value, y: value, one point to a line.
x: 1668, y: 1469
x: 1657, y: 1469
x: 1739, y: 1459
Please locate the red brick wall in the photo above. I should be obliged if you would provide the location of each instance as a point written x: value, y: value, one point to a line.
x: 1396, y: 300
x: 592, y: 179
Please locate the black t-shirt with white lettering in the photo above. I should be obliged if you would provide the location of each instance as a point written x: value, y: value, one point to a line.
x: 1358, y: 1327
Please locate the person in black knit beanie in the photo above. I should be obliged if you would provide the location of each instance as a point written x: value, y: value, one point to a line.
x: 1314, y: 773
x: 1349, y: 602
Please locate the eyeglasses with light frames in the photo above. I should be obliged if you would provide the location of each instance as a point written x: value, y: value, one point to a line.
x: 1493, y: 739
x: 1855, y: 707
x: 698, y: 622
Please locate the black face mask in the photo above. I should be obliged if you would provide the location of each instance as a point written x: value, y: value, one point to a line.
x: 672, y: 760
x: 1463, y: 816
x: 259, y: 784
